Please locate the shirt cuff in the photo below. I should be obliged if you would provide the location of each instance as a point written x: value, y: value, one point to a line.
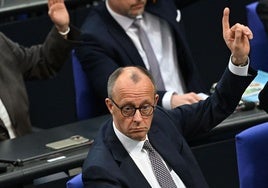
x: 238, y: 70
x: 166, y: 100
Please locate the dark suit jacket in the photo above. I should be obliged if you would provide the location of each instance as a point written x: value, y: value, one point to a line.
x: 109, y: 47
x: 109, y: 165
x: 18, y: 64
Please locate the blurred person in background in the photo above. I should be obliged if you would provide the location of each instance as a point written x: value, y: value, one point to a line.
x: 113, y: 41
x: 19, y: 63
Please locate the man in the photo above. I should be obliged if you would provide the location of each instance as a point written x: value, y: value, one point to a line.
x: 18, y: 63
x: 113, y: 41
x: 117, y: 157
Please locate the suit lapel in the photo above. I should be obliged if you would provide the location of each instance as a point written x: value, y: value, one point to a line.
x: 130, y: 171
x: 164, y: 10
x: 118, y: 33
x: 133, y: 174
x: 170, y: 153
x: 167, y: 11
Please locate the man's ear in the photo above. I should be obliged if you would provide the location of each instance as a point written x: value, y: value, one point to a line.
x: 156, y: 98
x: 109, y: 104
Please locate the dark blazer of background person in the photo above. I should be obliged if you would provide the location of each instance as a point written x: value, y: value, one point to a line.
x: 108, y: 161
x: 109, y: 47
x: 263, y: 98
x: 262, y: 11
x: 18, y: 64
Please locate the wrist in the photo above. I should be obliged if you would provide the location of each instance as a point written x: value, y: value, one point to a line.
x: 172, y: 103
x: 243, y: 61
x: 64, y: 32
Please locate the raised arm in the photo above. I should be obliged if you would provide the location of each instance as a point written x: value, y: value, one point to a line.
x: 59, y: 15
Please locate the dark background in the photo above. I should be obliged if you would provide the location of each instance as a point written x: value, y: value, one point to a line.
x: 52, y: 102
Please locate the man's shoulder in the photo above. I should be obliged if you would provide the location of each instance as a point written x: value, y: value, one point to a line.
x: 95, y: 13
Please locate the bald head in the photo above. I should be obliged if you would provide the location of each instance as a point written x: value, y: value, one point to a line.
x: 126, y: 76
x: 132, y: 94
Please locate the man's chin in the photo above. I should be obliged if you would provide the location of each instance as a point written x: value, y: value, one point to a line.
x: 134, y: 14
x: 138, y: 135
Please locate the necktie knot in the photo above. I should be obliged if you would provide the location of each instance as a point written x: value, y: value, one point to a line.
x: 137, y: 22
x: 147, y: 146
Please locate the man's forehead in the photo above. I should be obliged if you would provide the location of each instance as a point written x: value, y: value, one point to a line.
x: 135, y: 92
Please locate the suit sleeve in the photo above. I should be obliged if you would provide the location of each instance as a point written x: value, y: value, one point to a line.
x: 100, y: 178
x: 44, y: 60
x: 201, y: 117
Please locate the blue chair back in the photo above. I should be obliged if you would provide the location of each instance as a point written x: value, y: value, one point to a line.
x: 83, y: 97
x: 75, y: 182
x: 252, y: 155
x: 259, y: 43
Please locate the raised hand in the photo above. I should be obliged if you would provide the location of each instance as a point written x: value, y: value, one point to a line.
x: 236, y: 38
x: 59, y: 14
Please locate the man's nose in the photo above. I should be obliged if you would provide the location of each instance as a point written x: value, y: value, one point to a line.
x: 137, y: 116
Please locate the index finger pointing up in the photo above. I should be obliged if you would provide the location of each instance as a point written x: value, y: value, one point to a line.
x: 225, y: 19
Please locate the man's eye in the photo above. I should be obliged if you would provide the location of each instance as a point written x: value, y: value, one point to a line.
x: 128, y: 108
x: 146, y: 107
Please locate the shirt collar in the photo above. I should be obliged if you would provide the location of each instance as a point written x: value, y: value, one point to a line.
x: 132, y: 146
x: 124, y: 21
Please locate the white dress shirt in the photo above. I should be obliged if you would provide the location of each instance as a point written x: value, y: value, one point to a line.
x: 161, y: 38
x: 165, y: 50
x: 141, y: 159
x: 6, y: 120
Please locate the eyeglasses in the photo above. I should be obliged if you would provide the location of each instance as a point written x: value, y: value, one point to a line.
x: 129, y: 111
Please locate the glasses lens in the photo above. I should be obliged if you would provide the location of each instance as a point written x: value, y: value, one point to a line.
x: 146, y: 110
x: 128, y: 111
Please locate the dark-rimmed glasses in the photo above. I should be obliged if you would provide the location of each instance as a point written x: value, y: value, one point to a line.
x: 129, y: 110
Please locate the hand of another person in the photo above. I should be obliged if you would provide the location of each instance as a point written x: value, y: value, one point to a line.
x: 188, y: 98
x: 59, y: 14
x: 236, y: 38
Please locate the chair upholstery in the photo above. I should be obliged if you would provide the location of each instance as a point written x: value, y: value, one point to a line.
x: 83, y: 96
x: 259, y: 43
x: 252, y: 155
x: 75, y: 182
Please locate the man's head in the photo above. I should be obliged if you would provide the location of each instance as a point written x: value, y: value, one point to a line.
x: 131, y: 101
x: 130, y: 8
